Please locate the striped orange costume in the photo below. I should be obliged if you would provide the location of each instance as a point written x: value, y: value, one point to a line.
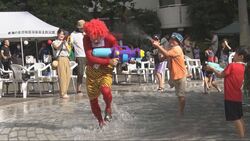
x: 99, y: 70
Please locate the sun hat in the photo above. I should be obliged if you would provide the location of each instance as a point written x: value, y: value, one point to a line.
x: 177, y: 36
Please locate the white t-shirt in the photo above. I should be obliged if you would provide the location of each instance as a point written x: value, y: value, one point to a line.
x: 57, y: 52
x: 77, y: 42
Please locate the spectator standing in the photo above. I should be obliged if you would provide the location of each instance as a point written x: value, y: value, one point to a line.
x: 17, y: 56
x: 187, y: 47
x: 196, y: 52
x: 6, y: 54
x: 223, y: 52
x: 60, y: 47
x: 77, y: 42
x: 214, y: 42
x: 45, y: 53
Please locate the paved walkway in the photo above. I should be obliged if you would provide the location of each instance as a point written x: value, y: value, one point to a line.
x: 139, y: 112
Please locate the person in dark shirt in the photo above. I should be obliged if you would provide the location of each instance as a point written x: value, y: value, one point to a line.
x: 6, y: 55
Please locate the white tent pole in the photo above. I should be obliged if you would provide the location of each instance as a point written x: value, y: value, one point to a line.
x: 21, y: 40
x: 36, y: 52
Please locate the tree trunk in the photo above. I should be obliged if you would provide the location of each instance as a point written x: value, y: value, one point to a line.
x: 243, y: 20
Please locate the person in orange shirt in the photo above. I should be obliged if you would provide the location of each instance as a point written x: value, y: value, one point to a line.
x: 176, y: 65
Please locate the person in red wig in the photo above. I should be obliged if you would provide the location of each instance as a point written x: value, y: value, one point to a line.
x: 99, y: 70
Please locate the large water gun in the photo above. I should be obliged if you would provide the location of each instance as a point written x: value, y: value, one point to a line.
x: 216, y: 66
x: 125, y: 54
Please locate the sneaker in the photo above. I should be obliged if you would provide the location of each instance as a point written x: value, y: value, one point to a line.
x: 160, y: 89
x: 107, y: 117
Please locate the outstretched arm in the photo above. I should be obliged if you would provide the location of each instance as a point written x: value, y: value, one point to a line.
x: 217, y: 73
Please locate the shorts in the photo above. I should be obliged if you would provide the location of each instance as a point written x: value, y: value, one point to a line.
x: 209, y: 74
x: 96, y: 78
x: 161, y: 67
x: 81, y: 61
x: 233, y: 110
x: 180, y: 86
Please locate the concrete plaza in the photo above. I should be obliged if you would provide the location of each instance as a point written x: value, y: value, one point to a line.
x: 139, y: 113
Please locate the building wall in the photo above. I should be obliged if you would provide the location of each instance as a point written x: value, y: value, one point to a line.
x: 172, y: 13
x: 174, y: 17
x: 147, y: 4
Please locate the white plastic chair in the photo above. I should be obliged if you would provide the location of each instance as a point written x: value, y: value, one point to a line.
x: 166, y: 72
x: 194, y: 65
x: 150, y: 71
x: 142, y: 70
x: 5, y: 80
x: 39, y: 69
x: 230, y: 57
x: 132, y: 70
x: 18, y: 71
x: 115, y: 75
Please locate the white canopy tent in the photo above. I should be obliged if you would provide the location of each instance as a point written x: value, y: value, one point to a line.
x: 24, y: 26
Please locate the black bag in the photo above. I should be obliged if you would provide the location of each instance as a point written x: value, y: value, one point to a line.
x: 25, y: 76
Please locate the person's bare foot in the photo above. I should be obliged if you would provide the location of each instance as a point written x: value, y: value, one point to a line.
x: 65, y: 96
x: 79, y: 93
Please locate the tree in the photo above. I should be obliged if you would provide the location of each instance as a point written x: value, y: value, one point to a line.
x: 243, y: 20
x: 210, y: 15
x: 124, y: 19
x: 111, y: 9
x: 61, y: 13
x: 121, y: 15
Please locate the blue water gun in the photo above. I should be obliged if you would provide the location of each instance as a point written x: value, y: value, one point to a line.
x: 216, y: 66
x: 124, y: 53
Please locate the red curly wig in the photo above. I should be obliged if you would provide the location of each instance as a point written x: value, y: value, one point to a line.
x: 95, y: 28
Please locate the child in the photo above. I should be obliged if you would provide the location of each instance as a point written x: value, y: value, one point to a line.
x: 234, y: 76
x: 176, y: 65
x: 160, y: 66
x: 209, y: 77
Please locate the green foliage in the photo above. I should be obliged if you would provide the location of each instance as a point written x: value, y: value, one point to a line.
x: 123, y: 18
x: 210, y: 15
x: 61, y: 13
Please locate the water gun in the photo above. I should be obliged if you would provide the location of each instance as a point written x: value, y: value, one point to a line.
x: 216, y: 66
x: 125, y: 54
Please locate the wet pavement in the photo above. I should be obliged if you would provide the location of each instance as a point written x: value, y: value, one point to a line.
x: 139, y: 113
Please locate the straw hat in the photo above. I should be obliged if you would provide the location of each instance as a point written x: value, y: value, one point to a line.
x: 80, y: 23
